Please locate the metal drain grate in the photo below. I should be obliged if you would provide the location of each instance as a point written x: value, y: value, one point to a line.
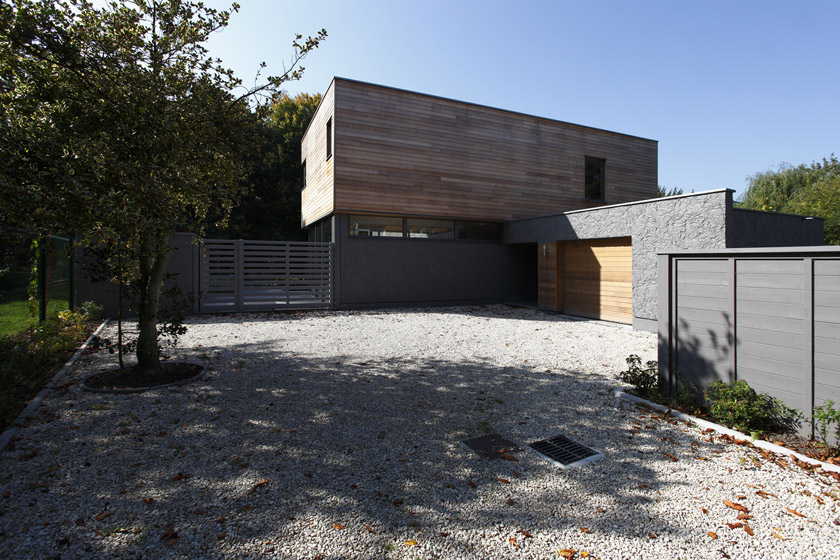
x: 565, y: 452
x: 491, y: 446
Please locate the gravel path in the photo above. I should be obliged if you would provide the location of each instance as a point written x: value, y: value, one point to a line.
x: 337, y: 435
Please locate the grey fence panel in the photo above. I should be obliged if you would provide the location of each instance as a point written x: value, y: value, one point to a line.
x: 254, y: 275
x: 768, y: 316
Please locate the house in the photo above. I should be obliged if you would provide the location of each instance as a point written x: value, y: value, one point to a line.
x: 432, y: 201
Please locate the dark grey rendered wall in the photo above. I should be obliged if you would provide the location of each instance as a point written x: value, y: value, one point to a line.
x: 706, y: 220
x: 385, y: 272
x: 182, y: 262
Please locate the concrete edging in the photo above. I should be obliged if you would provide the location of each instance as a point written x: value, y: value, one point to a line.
x: 33, y: 405
x: 760, y: 443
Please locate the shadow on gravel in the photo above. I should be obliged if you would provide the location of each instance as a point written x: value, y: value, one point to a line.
x: 335, y: 447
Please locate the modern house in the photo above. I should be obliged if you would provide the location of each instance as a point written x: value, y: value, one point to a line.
x: 431, y: 201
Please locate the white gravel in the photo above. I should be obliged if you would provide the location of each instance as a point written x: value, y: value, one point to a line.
x: 337, y: 435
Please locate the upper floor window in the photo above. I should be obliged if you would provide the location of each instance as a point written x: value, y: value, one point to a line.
x: 430, y: 229
x: 303, y: 165
x: 376, y: 226
x: 594, y: 182
x: 329, y: 139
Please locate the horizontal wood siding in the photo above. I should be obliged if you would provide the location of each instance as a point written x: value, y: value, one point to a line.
x: 399, y: 152
x: 598, y: 279
x: 317, y: 196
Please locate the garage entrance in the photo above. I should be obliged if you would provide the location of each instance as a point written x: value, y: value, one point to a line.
x: 590, y: 278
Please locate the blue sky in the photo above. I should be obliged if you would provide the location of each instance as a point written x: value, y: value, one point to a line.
x: 727, y: 88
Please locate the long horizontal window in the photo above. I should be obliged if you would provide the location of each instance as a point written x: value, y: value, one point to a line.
x: 430, y: 229
x: 423, y: 228
x: 376, y: 226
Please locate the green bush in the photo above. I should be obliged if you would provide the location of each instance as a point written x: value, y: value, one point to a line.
x: 26, y: 358
x: 739, y: 406
x: 91, y: 310
x: 645, y: 380
x: 827, y: 424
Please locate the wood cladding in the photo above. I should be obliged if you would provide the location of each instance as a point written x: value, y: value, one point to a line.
x: 317, y: 198
x: 598, y: 279
x: 399, y: 152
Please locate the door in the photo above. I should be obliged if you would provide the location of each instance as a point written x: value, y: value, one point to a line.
x: 598, y: 279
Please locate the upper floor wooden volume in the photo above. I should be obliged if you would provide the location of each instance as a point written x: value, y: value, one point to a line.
x: 404, y: 153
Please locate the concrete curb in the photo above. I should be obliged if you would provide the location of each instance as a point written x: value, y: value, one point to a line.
x: 760, y: 443
x: 33, y: 405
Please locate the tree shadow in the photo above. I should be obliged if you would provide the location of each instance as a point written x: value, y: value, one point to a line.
x: 275, y: 450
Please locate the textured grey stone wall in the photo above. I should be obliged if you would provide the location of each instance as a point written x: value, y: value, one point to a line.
x: 695, y: 221
x: 752, y: 228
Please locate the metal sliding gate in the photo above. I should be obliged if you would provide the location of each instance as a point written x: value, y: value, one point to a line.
x: 246, y: 275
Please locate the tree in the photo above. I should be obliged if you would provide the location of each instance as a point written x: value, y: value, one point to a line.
x: 117, y: 125
x: 271, y: 208
x: 805, y: 189
x: 663, y: 192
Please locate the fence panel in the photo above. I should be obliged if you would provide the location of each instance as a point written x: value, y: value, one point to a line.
x: 773, y: 320
x: 253, y: 275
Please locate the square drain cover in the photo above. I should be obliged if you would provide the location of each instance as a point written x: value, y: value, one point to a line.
x: 565, y: 452
x: 491, y: 446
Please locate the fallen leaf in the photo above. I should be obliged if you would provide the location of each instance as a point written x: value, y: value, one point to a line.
x: 181, y: 476
x: 508, y: 457
x: 705, y: 511
x: 567, y: 553
x: 369, y: 529
x: 778, y: 536
x: 702, y: 458
x: 526, y: 534
x: 472, y: 484
x: 148, y: 500
x: 794, y: 512
x: 262, y: 482
x: 504, y: 481
x: 651, y: 536
x: 748, y: 530
x: 673, y: 459
x: 398, y: 502
x: 642, y: 486
x: 513, y: 542
x: 734, y: 525
x: 584, y: 554
x: 338, y: 526
x: 735, y: 505
x: 243, y: 509
x: 744, y: 516
x: 510, y: 502
x: 584, y: 530
x: 222, y: 519
x: 410, y: 543
x: 104, y: 515
x: 169, y: 534
x: 764, y: 494
x: 220, y: 536
x: 443, y: 534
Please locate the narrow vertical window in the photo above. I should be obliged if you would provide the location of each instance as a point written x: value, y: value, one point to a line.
x: 594, y: 178
x: 329, y: 139
x: 303, y: 165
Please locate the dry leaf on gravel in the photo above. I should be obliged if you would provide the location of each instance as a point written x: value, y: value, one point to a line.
x: 169, y: 535
x: 526, y: 534
x: 411, y: 542
x: 148, y: 500
x: 104, y: 515
x: 567, y: 553
x: 504, y: 481
x: 735, y: 505
x: 262, y: 482
x: 368, y: 528
x: 338, y: 526
x: 584, y: 530
x: 181, y: 476
x: 748, y: 530
x: 513, y: 542
x: 712, y: 534
x: 778, y: 536
x: 794, y: 512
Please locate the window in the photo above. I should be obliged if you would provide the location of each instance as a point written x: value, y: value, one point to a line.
x: 375, y: 226
x: 482, y: 231
x: 303, y: 165
x: 430, y: 229
x: 594, y: 185
x: 329, y: 139
x: 321, y: 231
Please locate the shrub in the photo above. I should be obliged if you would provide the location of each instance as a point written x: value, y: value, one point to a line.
x: 645, y: 380
x: 827, y: 424
x: 91, y: 310
x: 739, y: 406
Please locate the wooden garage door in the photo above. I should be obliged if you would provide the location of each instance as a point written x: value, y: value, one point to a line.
x: 598, y: 279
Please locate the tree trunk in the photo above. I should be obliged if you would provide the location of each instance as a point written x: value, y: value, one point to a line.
x: 152, y: 272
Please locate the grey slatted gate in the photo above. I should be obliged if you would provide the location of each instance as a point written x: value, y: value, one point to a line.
x: 249, y: 275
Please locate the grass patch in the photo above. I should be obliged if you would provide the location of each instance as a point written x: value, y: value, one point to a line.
x: 15, y: 318
x: 28, y: 358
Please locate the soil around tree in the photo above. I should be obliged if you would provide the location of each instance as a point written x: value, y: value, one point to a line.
x: 132, y: 379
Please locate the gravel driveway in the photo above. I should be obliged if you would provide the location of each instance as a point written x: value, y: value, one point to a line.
x: 337, y: 435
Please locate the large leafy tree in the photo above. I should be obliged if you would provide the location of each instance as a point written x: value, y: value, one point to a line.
x: 117, y: 125
x: 271, y: 208
x: 805, y: 189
